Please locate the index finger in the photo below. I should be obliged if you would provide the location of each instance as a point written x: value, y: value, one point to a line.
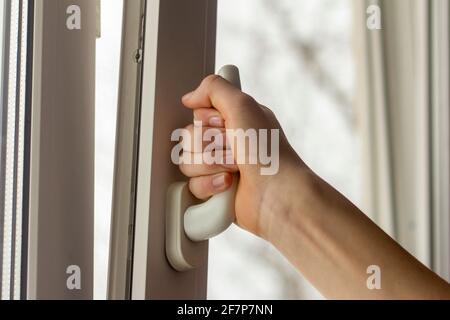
x: 216, y: 92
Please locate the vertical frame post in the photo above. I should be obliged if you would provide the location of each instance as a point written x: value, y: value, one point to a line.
x: 61, y: 221
x: 179, y: 52
x: 127, y: 138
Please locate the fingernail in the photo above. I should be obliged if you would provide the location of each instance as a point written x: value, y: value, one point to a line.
x: 218, y: 182
x: 188, y: 96
x: 216, y: 122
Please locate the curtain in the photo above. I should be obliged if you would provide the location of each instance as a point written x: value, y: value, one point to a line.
x: 399, y: 70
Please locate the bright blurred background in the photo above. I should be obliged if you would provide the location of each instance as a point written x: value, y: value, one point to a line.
x: 108, y: 63
x: 296, y: 58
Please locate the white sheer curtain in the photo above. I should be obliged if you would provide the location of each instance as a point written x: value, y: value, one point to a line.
x: 400, y: 68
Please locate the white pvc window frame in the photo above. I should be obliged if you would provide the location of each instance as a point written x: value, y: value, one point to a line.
x: 61, y: 193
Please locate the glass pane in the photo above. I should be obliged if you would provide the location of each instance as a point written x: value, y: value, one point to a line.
x: 107, y: 82
x: 13, y: 53
x: 308, y: 82
x: 13, y: 86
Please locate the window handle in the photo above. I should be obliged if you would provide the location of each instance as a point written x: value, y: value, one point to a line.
x: 189, y: 224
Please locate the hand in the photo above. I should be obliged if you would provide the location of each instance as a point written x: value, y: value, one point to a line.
x: 218, y: 104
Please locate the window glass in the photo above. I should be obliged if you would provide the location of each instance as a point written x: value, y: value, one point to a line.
x: 295, y: 57
x: 107, y: 86
x: 13, y: 86
x: 13, y: 53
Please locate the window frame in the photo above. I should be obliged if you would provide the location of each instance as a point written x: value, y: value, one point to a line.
x: 179, y: 50
x: 61, y: 193
x: 125, y: 170
x: 15, y: 70
x: 440, y: 119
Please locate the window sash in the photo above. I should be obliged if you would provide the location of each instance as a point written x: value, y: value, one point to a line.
x: 179, y: 50
x: 123, y: 206
x: 61, y: 208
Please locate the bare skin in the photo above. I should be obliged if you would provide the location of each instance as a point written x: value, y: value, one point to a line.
x: 328, y: 239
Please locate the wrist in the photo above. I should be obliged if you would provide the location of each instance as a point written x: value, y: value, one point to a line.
x: 284, y: 201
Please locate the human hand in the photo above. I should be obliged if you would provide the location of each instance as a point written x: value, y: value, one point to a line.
x: 220, y: 106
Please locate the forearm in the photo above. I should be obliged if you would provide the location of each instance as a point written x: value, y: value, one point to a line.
x: 333, y: 243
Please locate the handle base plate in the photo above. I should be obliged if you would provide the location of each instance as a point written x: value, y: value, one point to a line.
x: 182, y: 253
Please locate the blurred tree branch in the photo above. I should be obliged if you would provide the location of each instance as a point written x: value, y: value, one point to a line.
x: 307, y: 52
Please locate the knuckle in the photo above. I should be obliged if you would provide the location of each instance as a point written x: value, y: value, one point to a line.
x: 244, y: 99
x: 211, y: 79
x: 266, y: 109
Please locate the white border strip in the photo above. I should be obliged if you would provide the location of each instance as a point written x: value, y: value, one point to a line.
x: 35, y: 152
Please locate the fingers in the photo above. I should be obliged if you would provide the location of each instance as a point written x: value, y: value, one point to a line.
x: 216, y: 92
x: 214, y: 102
x: 209, y: 117
x: 207, y: 186
x: 198, y: 139
x: 223, y: 163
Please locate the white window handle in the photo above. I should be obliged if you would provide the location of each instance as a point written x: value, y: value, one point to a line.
x: 189, y: 224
